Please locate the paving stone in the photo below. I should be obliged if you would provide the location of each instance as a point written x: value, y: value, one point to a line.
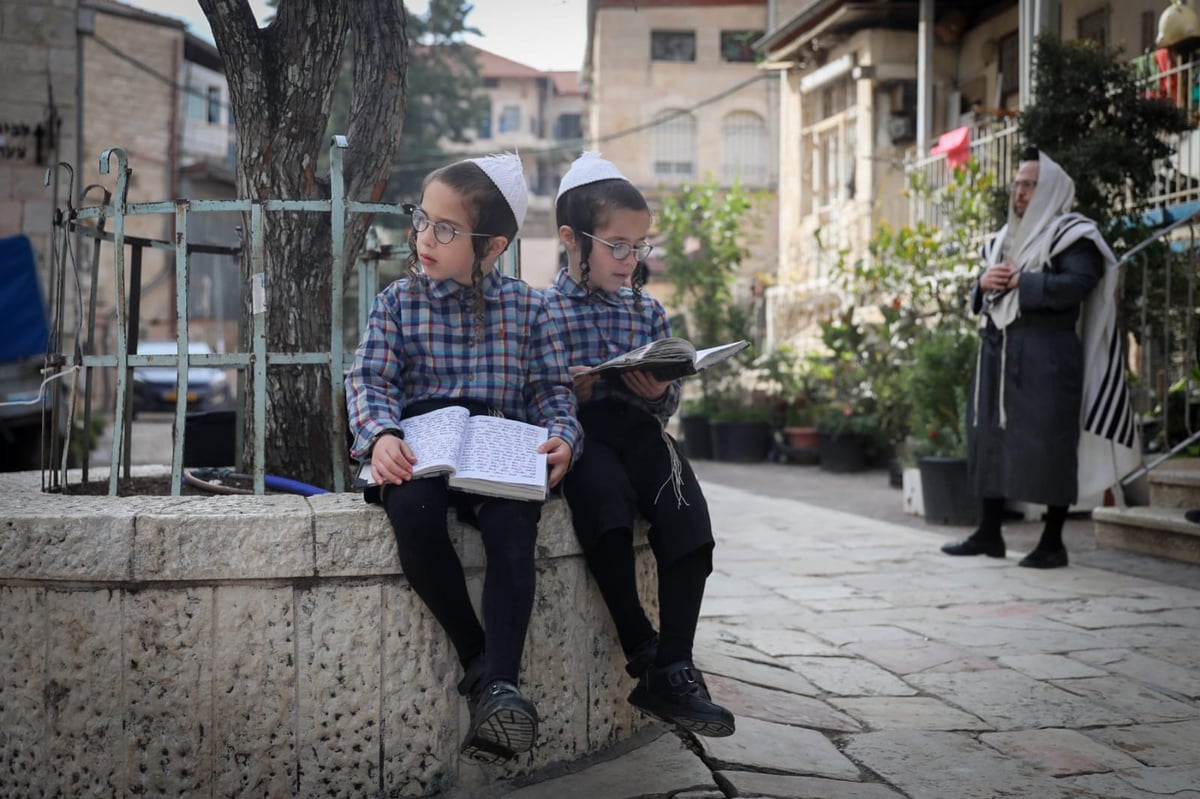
x: 1050, y: 667
x: 779, y: 677
x: 782, y: 641
x: 662, y: 766
x: 723, y: 585
x: 907, y: 713
x: 908, y: 656
x: 849, y: 677
x: 734, y: 650
x: 820, y: 589
x: 759, y: 745
x: 938, y: 765
x: 1150, y: 670
x: 996, y: 610
x: 1059, y: 752
x: 778, y: 786
x: 1016, y: 636
x: 1093, y: 618
x: 1177, y: 782
x: 1148, y: 635
x: 845, y: 635
x: 745, y: 700
x: 1008, y: 700
x: 1140, y: 702
x: 848, y: 603
x: 1186, y: 655
x: 1154, y: 744
x: 743, y: 606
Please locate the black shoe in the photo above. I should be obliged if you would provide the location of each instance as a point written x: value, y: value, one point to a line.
x: 503, y: 724
x: 1045, y: 559
x: 974, y: 546
x: 471, y: 685
x: 676, y: 694
x: 642, y: 657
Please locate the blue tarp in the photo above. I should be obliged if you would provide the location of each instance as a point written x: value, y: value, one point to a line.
x: 24, y: 328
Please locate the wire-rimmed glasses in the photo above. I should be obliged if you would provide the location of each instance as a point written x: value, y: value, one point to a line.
x: 622, y: 250
x: 444, y: 232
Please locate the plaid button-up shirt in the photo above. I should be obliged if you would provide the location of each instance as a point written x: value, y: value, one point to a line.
x: 602, y: 325
x: 420, y: 344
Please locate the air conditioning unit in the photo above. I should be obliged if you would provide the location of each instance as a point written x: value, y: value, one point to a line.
x: 902, y: 128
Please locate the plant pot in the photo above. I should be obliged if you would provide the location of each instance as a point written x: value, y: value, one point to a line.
x: 802, y: 445
x: 740, y: 442
x: 697, y: 438
x: 843, y: 452
x: 944, y: 492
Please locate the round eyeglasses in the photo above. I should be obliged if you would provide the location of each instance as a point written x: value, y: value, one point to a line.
x: 621, y: 250
x: 444, y: 232
x: 1023, y: 185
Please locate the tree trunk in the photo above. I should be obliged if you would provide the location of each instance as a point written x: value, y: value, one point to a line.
x: 281, y: 81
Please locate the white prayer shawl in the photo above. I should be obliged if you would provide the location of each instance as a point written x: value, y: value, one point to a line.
x: 1108, y: 443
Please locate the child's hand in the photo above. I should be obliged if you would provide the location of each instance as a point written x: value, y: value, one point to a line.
x: 645, y: 385
x: 558, y: 458
x: 583, y: 383
x: 392, y: 460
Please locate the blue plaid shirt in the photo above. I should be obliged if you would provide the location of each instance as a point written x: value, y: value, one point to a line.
x: 603, y: 325
x: 419, y: 344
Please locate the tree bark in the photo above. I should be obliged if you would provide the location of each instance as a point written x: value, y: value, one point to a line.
x: 281, y: 80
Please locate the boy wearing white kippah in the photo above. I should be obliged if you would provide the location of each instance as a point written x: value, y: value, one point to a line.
x: 629, y: 464
x: 457, y: 332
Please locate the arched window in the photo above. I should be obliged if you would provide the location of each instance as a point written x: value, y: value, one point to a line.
x: 674, y: 147
x: 744, y: 149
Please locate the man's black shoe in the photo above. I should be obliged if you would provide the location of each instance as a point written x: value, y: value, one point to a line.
x: 503, y: 724
x: 973, y: 546
x: 676, y: 694
x: 1045, y: 559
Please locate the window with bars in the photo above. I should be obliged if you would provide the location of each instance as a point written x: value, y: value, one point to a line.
x: 673, y: 147
x: 737, y: 46
x: 1094, y: 26
x: 744, y: 149
x: 672, y: 45
x: 214, y: 104
x: 510, y: 119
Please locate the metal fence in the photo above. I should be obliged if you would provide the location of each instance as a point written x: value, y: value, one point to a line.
x: 106, y: 222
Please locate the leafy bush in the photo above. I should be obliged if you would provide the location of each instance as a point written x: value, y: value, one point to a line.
x: 937, y: 381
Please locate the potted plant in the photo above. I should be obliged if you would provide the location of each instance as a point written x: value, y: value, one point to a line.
x: 936, y: 380
x: 849, y: 437
x: 740, y: 424
x: 790, y: 382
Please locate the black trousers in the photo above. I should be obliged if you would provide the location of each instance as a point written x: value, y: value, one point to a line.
x: 417, y: 510
x: 624, y: 470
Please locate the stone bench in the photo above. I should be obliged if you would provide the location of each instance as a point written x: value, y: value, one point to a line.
x: 266, y: 646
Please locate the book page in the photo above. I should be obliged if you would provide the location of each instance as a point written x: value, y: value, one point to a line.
x: 713, y: 355
x: 435, y: 438
x: 503, y: 451
x: 663, y: 351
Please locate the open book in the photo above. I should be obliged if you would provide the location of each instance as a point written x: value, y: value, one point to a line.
x: 669, y: 358
x: 481, y: 454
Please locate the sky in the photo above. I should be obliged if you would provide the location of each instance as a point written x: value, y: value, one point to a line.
x: 556, y: 44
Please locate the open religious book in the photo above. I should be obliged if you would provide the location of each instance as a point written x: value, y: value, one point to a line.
x: 669, y: 358
x: 481, y: 454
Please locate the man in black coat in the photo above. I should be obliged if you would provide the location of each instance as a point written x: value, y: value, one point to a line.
x: 1033, y: 381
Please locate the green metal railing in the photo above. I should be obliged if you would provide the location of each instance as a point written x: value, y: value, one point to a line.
x: 94, y: 223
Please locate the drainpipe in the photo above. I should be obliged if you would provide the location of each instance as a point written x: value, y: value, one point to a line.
x: 925, y: 77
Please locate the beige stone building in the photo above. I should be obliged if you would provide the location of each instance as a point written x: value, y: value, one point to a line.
x: 850, y: 114
x: 675, y: 97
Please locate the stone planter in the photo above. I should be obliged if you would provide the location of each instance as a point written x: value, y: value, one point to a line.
x: 944, y: 492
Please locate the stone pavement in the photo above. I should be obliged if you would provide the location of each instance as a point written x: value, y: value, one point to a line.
x: 863, y: 664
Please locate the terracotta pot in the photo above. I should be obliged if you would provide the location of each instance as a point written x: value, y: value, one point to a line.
x: 801, y: 437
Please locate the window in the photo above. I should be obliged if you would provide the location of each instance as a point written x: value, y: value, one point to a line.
x: 491, y: 83
x: 197, y: 104
x: 673, y: 146
x: 484, y: 129
x: 744, y: 149
x: 214, y: 104
x: 510, y: 119
x: 1149, y: 30
x: 1094, y: 26
x: 1010, y: 65
x: 672, y: 45
x: 736, y: 46
x: 568, y: 126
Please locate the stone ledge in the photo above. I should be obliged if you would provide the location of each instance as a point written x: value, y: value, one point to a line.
x: 269, y: 646
x: 1150, y: 530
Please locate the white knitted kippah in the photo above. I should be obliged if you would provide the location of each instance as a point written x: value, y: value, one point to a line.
x: 505, y: 171
x: 588, y: 168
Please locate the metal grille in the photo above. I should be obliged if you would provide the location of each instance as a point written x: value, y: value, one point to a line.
x: 674, y: 147
x: 744, y: 149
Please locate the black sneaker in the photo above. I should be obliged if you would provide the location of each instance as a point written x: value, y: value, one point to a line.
x: 677, y: 694
x: 503, y: 724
